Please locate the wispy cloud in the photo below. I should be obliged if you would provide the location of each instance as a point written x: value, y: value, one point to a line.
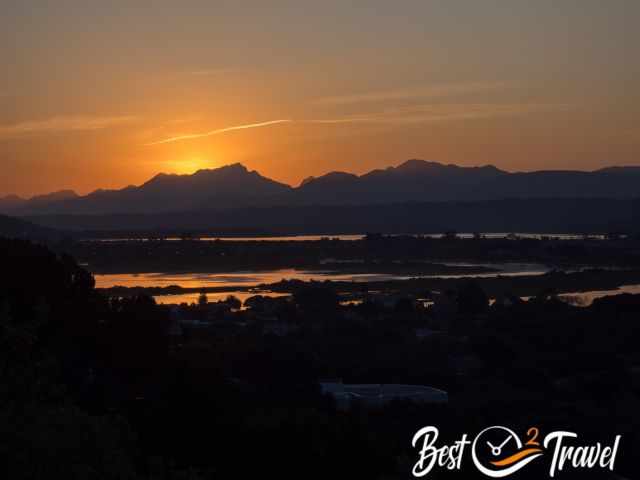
x: 432, y: 91
x: 442, y: 113
x: 347, y: 119
x: 62, y: 124
x: 217, y: 132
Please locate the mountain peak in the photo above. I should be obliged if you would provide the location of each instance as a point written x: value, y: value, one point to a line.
x: 226, y: 186
x: 421, y: 165
x: 424, y: 166
x: 201, y: 175
x: 236, y: 166
x: 232, y: 167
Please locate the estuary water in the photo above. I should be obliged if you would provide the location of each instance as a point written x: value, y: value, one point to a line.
x: 230, y: 281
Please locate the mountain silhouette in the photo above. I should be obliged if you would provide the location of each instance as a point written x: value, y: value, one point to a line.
x: 43, y: 200
x: 16, y: 204
x: 421, y: 181
x: 413, y: 180
x: 11, y: 202
x: 229, y: 186
x: 234, y: 186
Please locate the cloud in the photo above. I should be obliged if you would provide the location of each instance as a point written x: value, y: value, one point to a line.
x: 433, y: 91
x: 62, y: 124
x: 442, y: 113
x: 218, y: 131
x: 358, y: 119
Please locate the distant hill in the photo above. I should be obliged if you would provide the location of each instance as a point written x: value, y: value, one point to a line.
x: 17, y: 205
x: 530, y: 215
x: 11, y: 202
x: 53, y: 197
x: 234, y: 186
x: 16, y: 228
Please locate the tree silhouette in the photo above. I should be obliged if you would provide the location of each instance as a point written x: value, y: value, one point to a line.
x: 203, y: 299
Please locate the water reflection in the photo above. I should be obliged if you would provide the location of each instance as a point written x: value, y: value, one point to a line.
x: 282, y: 238
x: 351, y: 237
x: 584, y: 299
x: 229, y: 282
x: 253, y: 278
x: 213, y: 297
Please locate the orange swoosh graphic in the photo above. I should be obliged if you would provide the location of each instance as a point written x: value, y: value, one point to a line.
x: 518, y: 456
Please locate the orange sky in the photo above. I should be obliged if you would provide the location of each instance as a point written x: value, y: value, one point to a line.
x: 92, y: 93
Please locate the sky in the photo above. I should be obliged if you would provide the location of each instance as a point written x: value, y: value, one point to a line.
x: 98, y: 94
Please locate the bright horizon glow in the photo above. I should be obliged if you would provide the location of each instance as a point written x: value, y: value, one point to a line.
x: 190, y: 166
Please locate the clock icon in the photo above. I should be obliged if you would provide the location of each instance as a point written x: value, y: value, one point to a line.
x: 498, y: 452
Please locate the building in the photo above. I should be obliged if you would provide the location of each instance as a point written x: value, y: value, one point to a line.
x: 379, y: 395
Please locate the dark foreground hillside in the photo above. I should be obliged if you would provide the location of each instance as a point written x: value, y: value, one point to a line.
x: 109, y: 388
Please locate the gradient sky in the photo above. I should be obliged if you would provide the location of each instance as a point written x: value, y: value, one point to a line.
x: 108, y: 93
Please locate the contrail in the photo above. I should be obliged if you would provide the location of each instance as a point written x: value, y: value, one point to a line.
x: 218, y: 131
x: 419, y: 114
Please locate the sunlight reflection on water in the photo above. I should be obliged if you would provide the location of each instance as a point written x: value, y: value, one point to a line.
x: 584, y: 299
x: 249, y: 279
x: 231, y: 280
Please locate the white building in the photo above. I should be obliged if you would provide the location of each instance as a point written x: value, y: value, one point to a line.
x: 377, y: 395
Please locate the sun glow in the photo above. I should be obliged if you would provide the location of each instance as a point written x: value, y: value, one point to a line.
x: 189, y: 165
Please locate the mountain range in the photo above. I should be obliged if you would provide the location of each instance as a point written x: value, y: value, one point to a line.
x: 234, y: 186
